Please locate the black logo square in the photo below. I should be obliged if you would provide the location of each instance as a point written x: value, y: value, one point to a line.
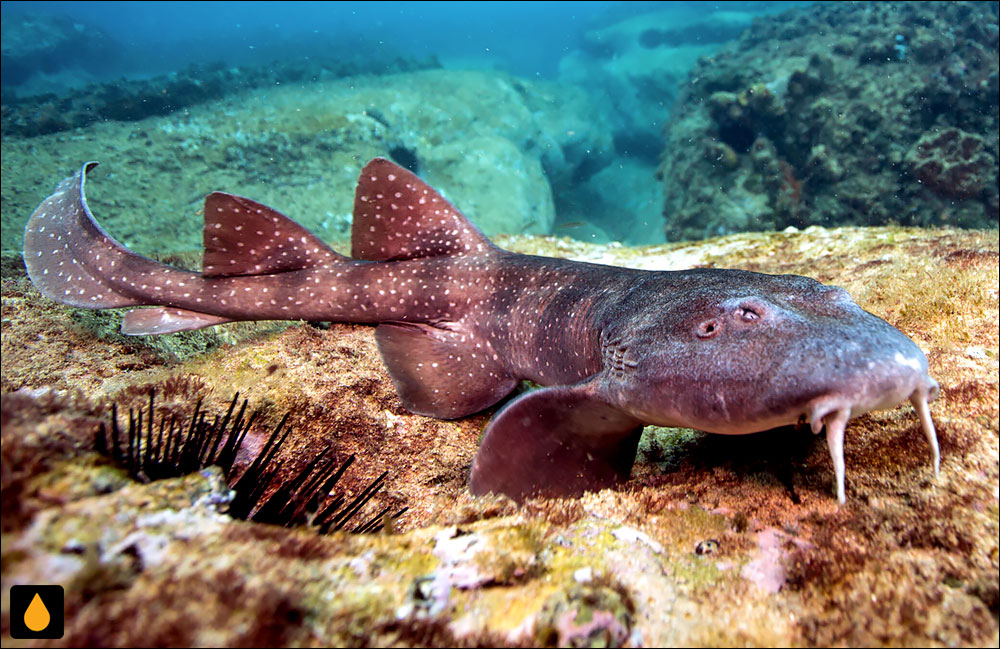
x: 36, y: 612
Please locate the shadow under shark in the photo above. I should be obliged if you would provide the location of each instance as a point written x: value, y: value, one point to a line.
x: 462, y: 322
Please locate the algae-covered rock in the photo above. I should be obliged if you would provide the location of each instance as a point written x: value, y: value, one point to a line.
x: 867, y: 114
x: 491, y: 178
x: 638, y: 62
x: 584, y: 615
x: 299, y: 148
x: 952, y: 163
x: 715, y: 540
x: 634, y: 67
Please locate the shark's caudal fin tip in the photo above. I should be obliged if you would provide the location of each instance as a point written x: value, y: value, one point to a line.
x: 399, y: 216
x: 67, y: 254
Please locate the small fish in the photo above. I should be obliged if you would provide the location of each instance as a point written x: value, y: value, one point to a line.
x: 460, y: 323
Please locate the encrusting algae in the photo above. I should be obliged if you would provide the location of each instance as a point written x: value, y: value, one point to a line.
x: 712, y: 541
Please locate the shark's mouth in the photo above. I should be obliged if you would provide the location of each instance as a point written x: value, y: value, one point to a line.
x: 835, y: 410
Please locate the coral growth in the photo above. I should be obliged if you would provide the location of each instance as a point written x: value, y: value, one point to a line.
x: 953, y: 163
x: 840, y: 113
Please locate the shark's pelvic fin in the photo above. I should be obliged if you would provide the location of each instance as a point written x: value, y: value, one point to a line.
x: 166, y: 320
x: 441, y: 373
x: 558, y: 441
x: 398, y: 216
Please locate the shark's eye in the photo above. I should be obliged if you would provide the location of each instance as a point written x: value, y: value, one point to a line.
x: 747, y: 314
x: 709, y: 328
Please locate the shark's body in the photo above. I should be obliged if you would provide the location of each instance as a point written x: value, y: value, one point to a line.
x: 462, y: 322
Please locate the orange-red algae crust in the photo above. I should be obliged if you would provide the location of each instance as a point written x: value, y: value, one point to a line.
x: 714, y: 541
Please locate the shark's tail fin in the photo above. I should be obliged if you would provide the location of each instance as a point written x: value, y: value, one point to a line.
x: 70, y: 258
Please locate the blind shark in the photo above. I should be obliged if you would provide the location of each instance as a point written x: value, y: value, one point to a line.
x: 461, y: 323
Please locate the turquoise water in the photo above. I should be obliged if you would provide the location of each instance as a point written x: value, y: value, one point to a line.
x: 526, y: 38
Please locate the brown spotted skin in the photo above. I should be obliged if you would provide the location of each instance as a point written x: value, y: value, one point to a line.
x: 461, y: 323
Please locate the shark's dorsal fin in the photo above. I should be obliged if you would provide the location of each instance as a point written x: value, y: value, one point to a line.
x: 398, y: 216
x: 244, y: 237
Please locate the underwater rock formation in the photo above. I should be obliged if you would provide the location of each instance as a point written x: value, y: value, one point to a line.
x: 133, y: 100
x: 952, y: 163
x: 36, y: 47
x: 300, y: 146
x: 840, y: 113
x: 638, y: 63
x: 634, y: 67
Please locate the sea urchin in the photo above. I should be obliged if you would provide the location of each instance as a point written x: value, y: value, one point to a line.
x: 175, y: 447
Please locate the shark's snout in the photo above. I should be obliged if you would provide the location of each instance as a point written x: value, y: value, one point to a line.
x: 881, y: 372
x: 874, y: 382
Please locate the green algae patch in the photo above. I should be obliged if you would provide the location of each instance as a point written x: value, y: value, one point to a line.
x: 681, y: 530
x: 695, y: 572
x: 585, y: 615
x: 402, y: 562
x: 72, y: 480
x: 578, y: 549
x: 665, y: 447
x: 349, y: 618
x: 515, y: 555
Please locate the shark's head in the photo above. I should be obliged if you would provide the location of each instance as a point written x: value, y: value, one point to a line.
x: 761, y: 351
x: 749, y: 352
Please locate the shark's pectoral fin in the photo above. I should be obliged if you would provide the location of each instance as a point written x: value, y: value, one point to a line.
x: 166, y: 320
x: 439, y: 372
x: 559, y: 442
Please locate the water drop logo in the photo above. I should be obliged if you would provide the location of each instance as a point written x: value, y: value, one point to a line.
x: 36, y: 612
x: 37, y: 616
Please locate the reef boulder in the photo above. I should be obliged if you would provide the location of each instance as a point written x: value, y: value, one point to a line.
x: 38, y: 48
x: 299, y: 147
x: 952, y: 163
x: 839, y: 113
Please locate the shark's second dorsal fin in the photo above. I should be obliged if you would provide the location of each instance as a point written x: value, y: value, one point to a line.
x: 244, y: 237
x: 398, y: 216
